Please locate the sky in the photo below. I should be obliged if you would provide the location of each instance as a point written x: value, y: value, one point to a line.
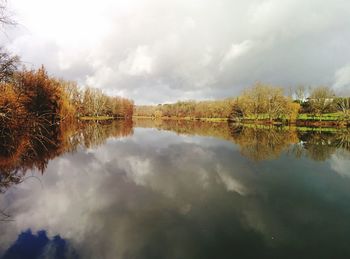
x: 157, y: 51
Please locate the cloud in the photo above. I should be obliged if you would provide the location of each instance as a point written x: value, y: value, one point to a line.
x: 231, y: 184
x: 340, y: 163
x: 342, y: 79
x: 159, y: 51
x: 137, y: 63
x: 236, y: 51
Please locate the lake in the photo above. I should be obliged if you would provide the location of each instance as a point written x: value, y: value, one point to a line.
x: 178, y: 189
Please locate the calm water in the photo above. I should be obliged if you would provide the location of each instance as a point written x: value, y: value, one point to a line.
x: 180, y: 190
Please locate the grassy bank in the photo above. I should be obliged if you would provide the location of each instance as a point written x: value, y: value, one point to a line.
x: 322, y: 117
x: 294, y: 127
x: 96, y: 118
x: 101, y: 118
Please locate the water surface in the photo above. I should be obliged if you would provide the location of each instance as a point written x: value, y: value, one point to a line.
x: 166, y: 189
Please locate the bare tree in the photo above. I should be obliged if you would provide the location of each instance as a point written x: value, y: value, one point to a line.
x: 321, y: 99
x: 300, y: 93
x: 5, y: 17
x: 8, y: 66
x: 8, y: 62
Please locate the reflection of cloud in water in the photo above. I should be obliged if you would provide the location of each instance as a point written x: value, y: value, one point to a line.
x: 143, y: 197
x: 230, y: 183
x: 78, y: 187
x: 340, y: 163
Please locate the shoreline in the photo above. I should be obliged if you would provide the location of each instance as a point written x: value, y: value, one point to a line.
x: 297, y: 123
x: 301, y: 123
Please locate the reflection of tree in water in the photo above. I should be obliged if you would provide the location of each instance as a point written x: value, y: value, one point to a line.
x: 188, y: 127
x: 33, y: 147
x: 24, y: 149
x: 4, y: 217
x: 260, y: 143
x: 343, y: 140
x: 96, y: 134
x: 320, y: 145
x: 257, y: 143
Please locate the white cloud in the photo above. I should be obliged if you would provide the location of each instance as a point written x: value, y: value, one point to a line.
x: 230, y: 183
x: 236, y: 51
x: 340, y: 164
x: 138, y: 62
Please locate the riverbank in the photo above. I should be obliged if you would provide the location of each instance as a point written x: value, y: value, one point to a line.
x: 304, y: 120
x: 99, y: 118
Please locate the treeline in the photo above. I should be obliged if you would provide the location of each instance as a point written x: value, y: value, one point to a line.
x: 321, y: 100
x: 189, y: 109
x: 261, y: 102
x: 264, y: 102
x: 92, y: 102
x: 33, y: 94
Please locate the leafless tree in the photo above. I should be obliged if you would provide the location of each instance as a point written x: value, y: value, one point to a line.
x: 8, y: 62
x: 8, y: 66
x: 321, y: 99
x: 5, y: 17
x: 300, y: 93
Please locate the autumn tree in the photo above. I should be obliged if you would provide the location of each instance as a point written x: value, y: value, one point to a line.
x: 321, y: 100
x: 43, y: 93
x: 292, y: 111
x: 264, y: 100
x: 12, y: 112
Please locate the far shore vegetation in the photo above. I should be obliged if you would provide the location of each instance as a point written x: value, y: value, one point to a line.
x: 261, y: 104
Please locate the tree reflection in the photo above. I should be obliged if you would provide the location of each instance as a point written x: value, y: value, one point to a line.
x: 32, y: 148
x: 321, y: 145
x: 259, y: 142
x: 4, y: 217
x: 188, y: 127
